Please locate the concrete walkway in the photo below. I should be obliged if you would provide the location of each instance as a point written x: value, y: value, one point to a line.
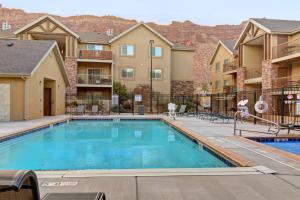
x: 285, y: 184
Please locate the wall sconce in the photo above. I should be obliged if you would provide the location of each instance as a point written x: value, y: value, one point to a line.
x: 40, y: 82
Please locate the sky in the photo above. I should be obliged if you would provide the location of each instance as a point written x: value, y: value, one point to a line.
x: 204, y: 12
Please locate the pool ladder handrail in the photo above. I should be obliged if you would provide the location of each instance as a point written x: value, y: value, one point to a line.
x: 276, y: 125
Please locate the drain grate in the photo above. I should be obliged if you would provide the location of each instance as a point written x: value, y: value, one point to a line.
x: 59, y: 184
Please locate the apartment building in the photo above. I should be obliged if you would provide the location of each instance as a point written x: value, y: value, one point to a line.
x: 268, y: 52
x: 224, y: 63
x: 95, y: 60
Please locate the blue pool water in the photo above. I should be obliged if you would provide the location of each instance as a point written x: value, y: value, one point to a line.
x: 290, y: 146
x: 95, y: 144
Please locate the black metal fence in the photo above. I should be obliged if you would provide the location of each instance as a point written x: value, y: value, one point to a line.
x: 283, y: 103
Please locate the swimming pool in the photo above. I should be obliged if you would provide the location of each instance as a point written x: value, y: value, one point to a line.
x: 104, y: 144
x: 292, y: 146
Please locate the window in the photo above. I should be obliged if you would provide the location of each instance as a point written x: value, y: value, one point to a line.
x: 156, y: 74
x: 217, y: 84
x: 217, y: 66
x: 225, y: 83
x: 127, y: 73
x: 127, y: 50
x: 94, y: 47
x: 156, y: 52
x: 226, y: 61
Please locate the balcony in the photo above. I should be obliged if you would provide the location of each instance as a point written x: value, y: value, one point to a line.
x: 230, y: 67
x: 288, y: 81
x: 253, y: 75
x: 229, y: 89
x: 91, y: 80
x: 95, y: 55
x: 288, y: 50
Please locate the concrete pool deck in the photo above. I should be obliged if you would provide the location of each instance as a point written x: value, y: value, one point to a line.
x: 284, y: 184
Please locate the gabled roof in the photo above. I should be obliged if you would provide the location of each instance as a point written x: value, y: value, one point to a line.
x: 43, y: 18
x: 23, y: 57
x: 227, y: 44
x: 135, y: 27
x: 7, y: 35
x: 275, y: 26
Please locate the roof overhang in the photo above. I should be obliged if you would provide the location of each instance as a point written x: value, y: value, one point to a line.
x: 244, y: 32
x: 43, y: 18
x: 59, y: 59
x: 220, y: 43
x: 135, y: 27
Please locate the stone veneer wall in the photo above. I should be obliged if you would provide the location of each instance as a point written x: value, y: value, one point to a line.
x: 182, y: 87
x: 269, y: 72
x: 71, y: 68
x: 241, y: 77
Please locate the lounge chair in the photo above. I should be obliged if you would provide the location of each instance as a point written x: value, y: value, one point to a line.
x: 295, y: 126
x: 95, y: 109
x: 80, y: 109
x: 181, y: 110
x: 16, y: 185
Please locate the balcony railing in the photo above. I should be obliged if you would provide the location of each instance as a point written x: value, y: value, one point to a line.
x: 253, y: 72
x: 229, y: 88
x: 95, y: 54
x: 230, y: 66
x: 286, y: 49
x: 91, y: 79
x: 288, y: 81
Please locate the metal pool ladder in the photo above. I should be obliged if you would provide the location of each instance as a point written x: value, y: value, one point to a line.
x: 116, y: 120
x: 269, y: 131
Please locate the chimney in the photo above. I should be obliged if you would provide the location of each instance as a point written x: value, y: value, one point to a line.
x: 110, y: 32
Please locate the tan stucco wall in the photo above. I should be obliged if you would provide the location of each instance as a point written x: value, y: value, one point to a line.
x: 221, y: 55
x: 16, y: 97
x: 252, y: 56
x: 182, y: 66
x: 140, y: 38
x: 49, y: 69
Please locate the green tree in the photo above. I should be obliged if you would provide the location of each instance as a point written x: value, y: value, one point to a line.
x: 121, y: 90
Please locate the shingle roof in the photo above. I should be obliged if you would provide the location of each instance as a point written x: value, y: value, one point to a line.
x: 23, y: 56
x: 277, y: 25
x: 182, y: 47
x: 7, y: 34
x: 229, y: 44
x: 94, y: 37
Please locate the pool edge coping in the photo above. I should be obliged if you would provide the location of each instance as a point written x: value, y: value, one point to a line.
x: 280, y: 152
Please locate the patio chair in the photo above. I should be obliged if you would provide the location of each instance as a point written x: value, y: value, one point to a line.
x: 16, y: 185
x: 295, y: 126
x: 80, y: 109
x: 95, y: 110
x: 181, y: 110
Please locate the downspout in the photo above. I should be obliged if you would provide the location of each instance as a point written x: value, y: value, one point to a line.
x: 24, y: 102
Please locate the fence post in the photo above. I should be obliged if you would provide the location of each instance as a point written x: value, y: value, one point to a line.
x: 119, y: 106
x: 226, y: 104
x: 132, y: 104
x: 197, y: 103
x: 254, y: 100
x: 157, y: 104
x: 282, y: 105
x: 211, y: 103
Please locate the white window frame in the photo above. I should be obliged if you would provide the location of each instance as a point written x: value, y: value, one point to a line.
x: 154, y: 77
x: 154, y: 52
x: 127, y: 77
x: 126, y: 54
